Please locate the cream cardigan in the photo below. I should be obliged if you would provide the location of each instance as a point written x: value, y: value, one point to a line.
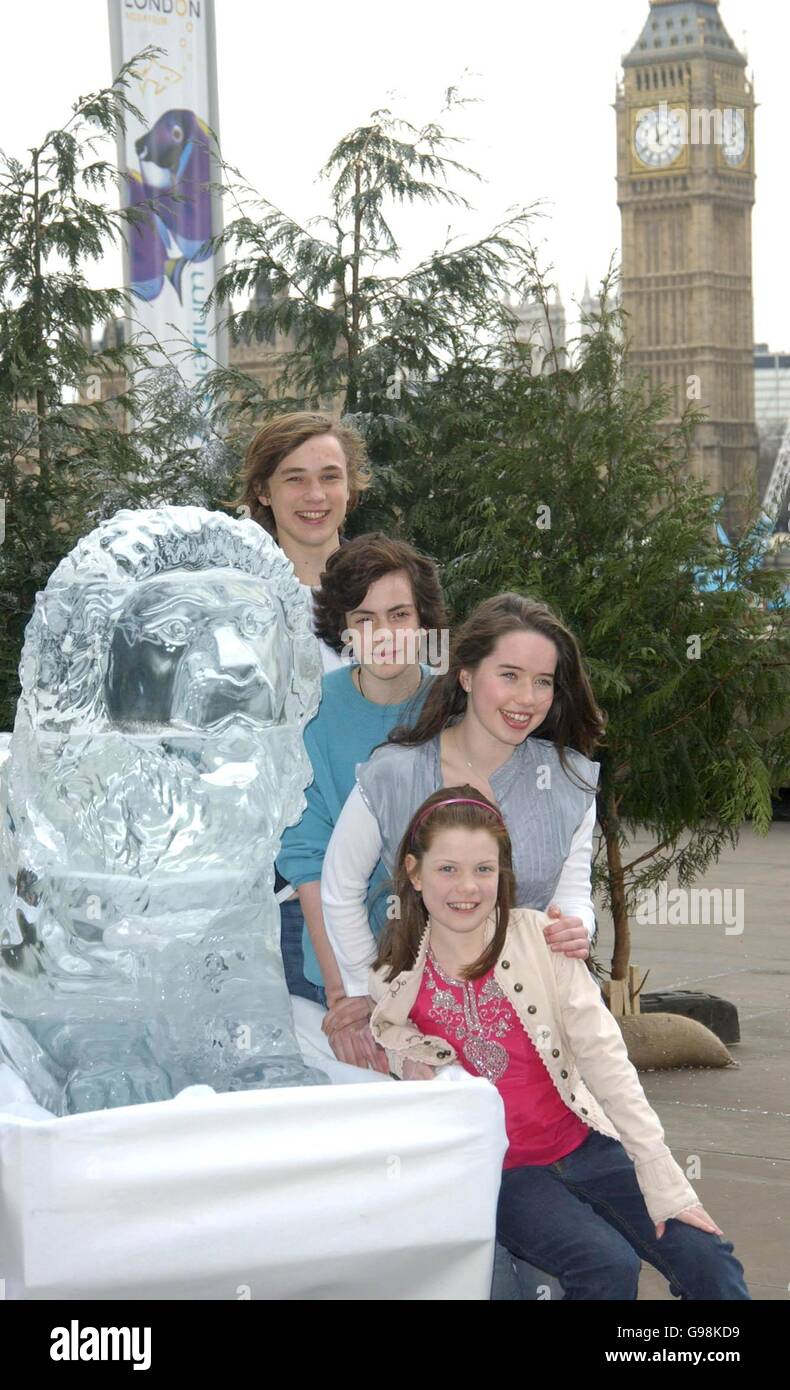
x: 560, y: 1006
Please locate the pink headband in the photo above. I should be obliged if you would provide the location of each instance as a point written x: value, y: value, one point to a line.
x: 455, y: 801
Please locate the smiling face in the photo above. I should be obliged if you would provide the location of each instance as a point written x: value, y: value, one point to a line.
x: 308, y: 492
x: 512, y: 689
x: 385, y: 627
x: 458, y: 877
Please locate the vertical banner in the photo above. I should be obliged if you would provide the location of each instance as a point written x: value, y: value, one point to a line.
x: 169, y: 163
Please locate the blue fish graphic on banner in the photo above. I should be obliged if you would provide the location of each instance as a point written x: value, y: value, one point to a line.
x: 173, y: 190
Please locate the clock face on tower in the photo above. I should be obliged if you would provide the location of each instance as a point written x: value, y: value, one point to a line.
x: 659, y: 136
x: 733, y: 140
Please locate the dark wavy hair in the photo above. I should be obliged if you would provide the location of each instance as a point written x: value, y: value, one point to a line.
x: 574, y: 719
x: 350, y: 572
x: 400, y: 940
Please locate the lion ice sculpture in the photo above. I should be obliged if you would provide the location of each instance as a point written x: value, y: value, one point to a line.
x: 157, y: 756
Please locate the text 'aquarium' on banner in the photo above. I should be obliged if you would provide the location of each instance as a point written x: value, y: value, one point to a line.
x: 169, y: 163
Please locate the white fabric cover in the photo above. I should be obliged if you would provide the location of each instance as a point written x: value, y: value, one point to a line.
x: 367, y: 1191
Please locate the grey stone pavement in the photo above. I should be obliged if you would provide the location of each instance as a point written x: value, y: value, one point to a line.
x: 736, y: 1120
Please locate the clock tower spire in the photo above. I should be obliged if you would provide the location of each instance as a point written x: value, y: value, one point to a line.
x: 685, y: 181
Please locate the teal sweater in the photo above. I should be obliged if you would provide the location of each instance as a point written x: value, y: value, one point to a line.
x: 342, y: 734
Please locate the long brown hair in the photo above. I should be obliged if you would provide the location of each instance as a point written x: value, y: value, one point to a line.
x: 350, y: 572
x: 277, y: 439
x: 400, y: 940
x: 574, y: 719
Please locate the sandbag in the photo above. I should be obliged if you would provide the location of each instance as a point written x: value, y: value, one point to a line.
x: 657, y: 1042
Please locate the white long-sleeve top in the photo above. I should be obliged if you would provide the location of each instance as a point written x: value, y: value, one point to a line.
x: 353, y: 853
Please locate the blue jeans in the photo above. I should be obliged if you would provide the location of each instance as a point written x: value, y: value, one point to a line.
x: 584, y: 1220
x: 291, y: 927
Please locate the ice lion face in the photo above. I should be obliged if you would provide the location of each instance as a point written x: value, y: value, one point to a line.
x: 157, y: 755
x: 198, y: 653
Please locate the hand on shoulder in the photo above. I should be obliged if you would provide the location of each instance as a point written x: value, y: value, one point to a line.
x: 566, y: 934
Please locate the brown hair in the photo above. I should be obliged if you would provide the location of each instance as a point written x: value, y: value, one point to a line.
x: 352, y: 569
x: 574, y: 719
x: 277, y: 439
x: 400, y: 940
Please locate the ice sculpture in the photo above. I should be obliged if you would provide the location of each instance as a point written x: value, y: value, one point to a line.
x: 156, y: 758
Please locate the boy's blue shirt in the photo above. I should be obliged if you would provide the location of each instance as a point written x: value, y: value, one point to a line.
x: 342, y: 734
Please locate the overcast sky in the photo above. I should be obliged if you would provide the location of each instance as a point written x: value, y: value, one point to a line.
x: 294, y: 77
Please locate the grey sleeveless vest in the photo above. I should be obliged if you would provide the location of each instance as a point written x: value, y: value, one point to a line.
x: 541, y: 805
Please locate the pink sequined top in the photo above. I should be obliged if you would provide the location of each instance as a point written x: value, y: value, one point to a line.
x: 484, y: 1028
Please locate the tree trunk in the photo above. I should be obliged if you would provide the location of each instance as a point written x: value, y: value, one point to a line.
x: 41, y: 396
x: 355, y: 318
x: 622, y: 934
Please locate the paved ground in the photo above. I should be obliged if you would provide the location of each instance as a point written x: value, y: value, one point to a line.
x: 736, y: 1120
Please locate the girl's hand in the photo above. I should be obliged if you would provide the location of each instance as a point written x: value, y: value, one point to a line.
x: 347, y: 1027
x: 356, y: 1045
x: 693, y: 1216
x: 377, y: 1056
x: 567, y: 934
x: 344, y: 1010
x: 417, y: 1071
x: 349, y: 1047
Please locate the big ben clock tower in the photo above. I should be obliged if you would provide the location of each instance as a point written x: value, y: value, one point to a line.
x: 685, y: 187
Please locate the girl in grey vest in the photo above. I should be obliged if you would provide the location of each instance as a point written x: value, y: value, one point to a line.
x: 514, y: 715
